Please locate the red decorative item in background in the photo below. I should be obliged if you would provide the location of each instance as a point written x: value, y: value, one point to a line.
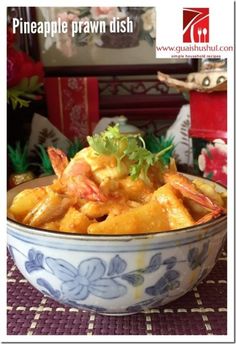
x: 72, y: 105
x: 10, y: 37
x: 208, y: 115
x: 209, y: 122
x: 213, y: 161
x: 24, y: 76
x: 19, y: 64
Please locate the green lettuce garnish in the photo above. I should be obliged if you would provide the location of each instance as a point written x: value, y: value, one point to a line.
x: 112, y: 142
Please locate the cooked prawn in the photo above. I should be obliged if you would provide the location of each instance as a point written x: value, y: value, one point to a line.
x: 187, y: 189
x: 50, y: 208
x: 73, y: 182
x: 74, y: 177
x: 58, y: 160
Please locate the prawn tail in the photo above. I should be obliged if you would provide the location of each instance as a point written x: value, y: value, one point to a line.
x: 58, y: 160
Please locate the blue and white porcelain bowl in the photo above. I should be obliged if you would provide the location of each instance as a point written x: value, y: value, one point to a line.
x: 114, y: 275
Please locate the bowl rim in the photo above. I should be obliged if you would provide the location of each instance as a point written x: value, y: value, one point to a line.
x: 114, y: 237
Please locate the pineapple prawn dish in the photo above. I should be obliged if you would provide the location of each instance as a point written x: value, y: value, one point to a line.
x: 116, y: 186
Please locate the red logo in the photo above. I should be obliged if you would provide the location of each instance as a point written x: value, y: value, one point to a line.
x: 196, y: 25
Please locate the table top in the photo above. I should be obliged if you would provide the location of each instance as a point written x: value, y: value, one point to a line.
x: 201, y: 311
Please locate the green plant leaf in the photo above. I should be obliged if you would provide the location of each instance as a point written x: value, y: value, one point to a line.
x: 30, y: 96
x: 14, y: 98
x: 33, y: 83
x: 45, y: 165
x: 23, y: 85
x: 210, y: 175
x: 75, y: 147
x: 112, y: 142
x: 18, y: 157
x: 157, y: 144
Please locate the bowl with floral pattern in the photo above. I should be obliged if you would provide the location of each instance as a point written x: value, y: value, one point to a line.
x: 114, y: 275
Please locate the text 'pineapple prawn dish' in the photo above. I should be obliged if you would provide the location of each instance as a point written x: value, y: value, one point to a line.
x: 116, y: 186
